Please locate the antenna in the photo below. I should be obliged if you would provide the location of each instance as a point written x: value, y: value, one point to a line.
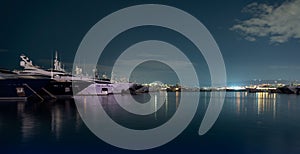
x: 56, y: 54
x: 51, y: 68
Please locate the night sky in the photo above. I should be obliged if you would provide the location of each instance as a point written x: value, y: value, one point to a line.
x: 258, y: 39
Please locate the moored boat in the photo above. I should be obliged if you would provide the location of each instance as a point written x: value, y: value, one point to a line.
x: 289, y: 89
x: 18, y: 87
x: 66, y: 84
x: 61, y: 81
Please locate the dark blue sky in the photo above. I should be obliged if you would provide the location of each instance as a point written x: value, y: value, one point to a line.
x: 257, y: 40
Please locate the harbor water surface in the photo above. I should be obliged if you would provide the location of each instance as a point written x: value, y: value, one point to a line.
x: 248, y: 123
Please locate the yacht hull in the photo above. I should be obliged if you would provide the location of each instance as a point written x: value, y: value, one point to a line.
x: 20, y: 89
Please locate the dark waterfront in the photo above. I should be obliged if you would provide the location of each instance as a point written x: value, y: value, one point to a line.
x: 248, y: 123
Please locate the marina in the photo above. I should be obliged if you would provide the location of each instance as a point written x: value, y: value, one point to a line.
x: 60, y: 84
x: 40, y: 110
x: 211, y: 77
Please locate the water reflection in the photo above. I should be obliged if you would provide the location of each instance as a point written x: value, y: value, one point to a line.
x: 59, y: 116
x: 56, y: 121
x: 262, y: 103
x: 266, y: 103
x: 245, y: 117
x: 28, y: 122
x: 165, y: 105
x: 32, y: 120
x: 177, y: 98
x: 238, y: 102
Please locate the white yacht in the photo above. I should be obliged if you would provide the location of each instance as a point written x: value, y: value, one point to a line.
x: 61, y: 84
x: 63, y: 81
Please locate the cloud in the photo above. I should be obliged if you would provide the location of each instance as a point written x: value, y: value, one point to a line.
x: 278, y: 23
x: 249, y: 38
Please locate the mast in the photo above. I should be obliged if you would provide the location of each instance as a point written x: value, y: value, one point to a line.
x: 57, y: 63
x: 51, y: 69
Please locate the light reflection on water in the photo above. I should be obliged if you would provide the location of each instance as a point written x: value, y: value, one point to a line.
x: 254, y: 122
x: 261, y: 102
x: 28, y: 123
x: 165, y: 106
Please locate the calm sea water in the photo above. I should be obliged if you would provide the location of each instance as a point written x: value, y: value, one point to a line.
x: 248, y: 123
